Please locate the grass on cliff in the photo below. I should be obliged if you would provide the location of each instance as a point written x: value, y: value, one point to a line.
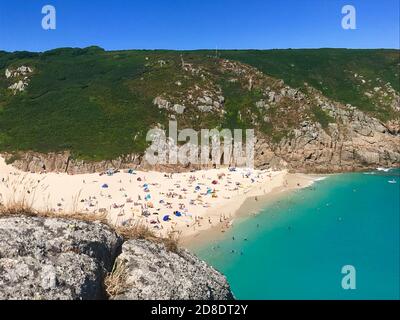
x: 98, y: 104
x: 332, y: 71
x: 322, y: 117
x: 78, y: 100
x: 115, y: 281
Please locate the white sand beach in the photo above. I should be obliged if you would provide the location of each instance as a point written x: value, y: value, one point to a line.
x: 186, y: 203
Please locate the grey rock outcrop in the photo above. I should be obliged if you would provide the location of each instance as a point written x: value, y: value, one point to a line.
x: 355, y: 141
x: 62, y: 259
x: 18, y: 86
x: 151, y: 272
x: 334, y: 149
x: 62, y: 162
x: 46, y: 258
x: 20, y: 75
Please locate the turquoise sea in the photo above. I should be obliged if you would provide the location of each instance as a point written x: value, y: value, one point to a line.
x: 296, y: 247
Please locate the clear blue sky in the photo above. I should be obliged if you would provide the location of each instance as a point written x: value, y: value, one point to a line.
x: 193, y: 24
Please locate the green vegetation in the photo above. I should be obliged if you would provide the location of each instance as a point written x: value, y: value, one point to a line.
x: 322, y: 117
x: 78, y: 100
x: 99, y: 105
x: 13, y: 158
x: 332, y: 71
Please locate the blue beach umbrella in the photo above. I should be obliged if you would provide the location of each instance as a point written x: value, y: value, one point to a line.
x: 166, y: 218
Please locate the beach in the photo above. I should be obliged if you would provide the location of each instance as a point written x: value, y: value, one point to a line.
x: 250, y: 205
x: 183, y: 203
x: 345, y: 219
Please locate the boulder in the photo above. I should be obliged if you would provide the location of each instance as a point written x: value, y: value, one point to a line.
x: 151, y: 272
x: 48, y: 258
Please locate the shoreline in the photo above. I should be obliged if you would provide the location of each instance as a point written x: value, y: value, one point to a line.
x: 200, y: 205
x: 249, y: 207
x: 182, y: 203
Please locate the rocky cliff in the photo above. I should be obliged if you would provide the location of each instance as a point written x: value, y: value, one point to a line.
x: 155, y: 273
x: 43, y: 258
x: 341, y: 113
x: 51, y: 258
x: 351, y: 140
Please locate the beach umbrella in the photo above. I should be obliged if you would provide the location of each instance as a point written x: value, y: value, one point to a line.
x: 178, y: 214
x: 166, y: 218
x: 215, y: 182
x: 197, y: 188
x: 104, y: 186
x: 148, y: 197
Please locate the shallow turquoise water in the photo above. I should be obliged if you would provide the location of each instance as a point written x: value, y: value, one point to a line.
x: 297, y: 246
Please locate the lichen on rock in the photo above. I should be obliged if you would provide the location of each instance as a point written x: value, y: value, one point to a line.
x: 152, y: 273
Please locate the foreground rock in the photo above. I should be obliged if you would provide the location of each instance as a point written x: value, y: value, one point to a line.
x: 150, y: 272
x: 44, y: 258
x: 51, y: 258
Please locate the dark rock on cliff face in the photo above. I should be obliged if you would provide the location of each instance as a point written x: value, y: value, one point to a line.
x: 312, y: 149
x: 44, y: 258
x: 51, y: 258
x: 308, y: 131
x: 151, y: 272
x: 62, y: 162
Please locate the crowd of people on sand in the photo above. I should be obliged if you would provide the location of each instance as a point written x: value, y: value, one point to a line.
x: 164, y: 201
x: 181, y: 200
x: 169, y: 201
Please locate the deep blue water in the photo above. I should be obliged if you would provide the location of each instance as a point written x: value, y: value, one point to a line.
x: 296, y: 247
